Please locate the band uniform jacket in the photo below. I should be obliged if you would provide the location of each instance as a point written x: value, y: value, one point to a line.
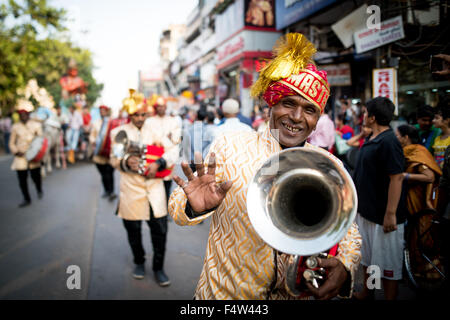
x: 238, y: 264
x: 166, y: 127
x: 20, y: 140
x: 95, y: 131
x: 137, y: 192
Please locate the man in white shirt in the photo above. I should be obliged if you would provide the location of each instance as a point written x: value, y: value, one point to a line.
x: 230, y: 109
x: 73, y: 134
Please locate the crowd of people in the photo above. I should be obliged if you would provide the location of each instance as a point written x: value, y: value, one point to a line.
x: 397, y: 172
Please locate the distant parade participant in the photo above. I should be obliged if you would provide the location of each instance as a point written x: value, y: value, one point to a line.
x: 142, y: 196
x: 22, y: 134
x: 100, y: 139
x: 165, y: 126
x: 238, y: 264
x: 73, y: 134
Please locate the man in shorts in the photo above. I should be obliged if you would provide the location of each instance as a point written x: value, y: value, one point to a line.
x: 381, y: 211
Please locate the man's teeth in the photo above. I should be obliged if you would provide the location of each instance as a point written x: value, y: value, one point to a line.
x: 291, y: 128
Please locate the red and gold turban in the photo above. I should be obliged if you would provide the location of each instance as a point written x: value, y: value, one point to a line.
x: 292, y: 72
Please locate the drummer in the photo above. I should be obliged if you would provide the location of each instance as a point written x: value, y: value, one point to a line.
x: 22, y: 134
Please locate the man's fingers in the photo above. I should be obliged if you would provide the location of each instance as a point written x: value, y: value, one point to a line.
x: 443, y: 57
x: 187, y: 171
x: 179, y: 181
x: 198, y: 161
x: 212, y: 164
x: 328, y: 262
x: 442, y: 73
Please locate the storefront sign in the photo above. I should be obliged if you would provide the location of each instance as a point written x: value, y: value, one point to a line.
x: 290, y: 11
x: 246, y: 42
x: 367, y: 39
x: 338, y: 74
x: 385, y: 84
x: 232, y: 48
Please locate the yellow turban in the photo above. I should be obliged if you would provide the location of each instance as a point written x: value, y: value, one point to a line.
x: 134, y: 102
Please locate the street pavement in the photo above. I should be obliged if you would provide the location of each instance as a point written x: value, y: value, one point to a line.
x: 73, y: 226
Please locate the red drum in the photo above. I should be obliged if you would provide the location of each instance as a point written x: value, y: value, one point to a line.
x: 37, y: 149
x: 153, y: 153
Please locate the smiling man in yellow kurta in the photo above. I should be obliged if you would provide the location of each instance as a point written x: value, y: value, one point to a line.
x: 238, y: 263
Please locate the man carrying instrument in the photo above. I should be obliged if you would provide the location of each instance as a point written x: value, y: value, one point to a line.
x: 238, y: 263
x: 100, y: 139
x: 22, y: 134
x: 165, y: 126
x: 142, y: 195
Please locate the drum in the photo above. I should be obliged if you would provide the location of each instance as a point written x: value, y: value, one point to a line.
x: 37, y: 149
x: 153, y: 153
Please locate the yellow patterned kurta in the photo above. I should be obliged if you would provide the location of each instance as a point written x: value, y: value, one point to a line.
x: 238, y: 263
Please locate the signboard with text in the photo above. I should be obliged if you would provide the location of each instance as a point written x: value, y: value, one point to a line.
x: 385, y: 84
x: 338, y: 74
x: 367, y: 39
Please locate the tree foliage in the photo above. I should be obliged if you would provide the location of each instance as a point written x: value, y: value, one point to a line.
x: 25, y: 54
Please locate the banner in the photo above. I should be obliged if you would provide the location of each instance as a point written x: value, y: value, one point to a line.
x: 385, y: 85
x: 367, y: 39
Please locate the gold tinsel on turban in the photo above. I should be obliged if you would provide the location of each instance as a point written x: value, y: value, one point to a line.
x: 292, y: 54
x: 134, y: 102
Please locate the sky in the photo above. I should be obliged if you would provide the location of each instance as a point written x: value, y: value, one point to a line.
x: 123, y: 36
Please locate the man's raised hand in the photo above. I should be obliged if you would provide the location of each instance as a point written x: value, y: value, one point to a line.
x: 202, y: 191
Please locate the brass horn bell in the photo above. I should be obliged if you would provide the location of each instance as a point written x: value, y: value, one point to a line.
x: 301, y: 201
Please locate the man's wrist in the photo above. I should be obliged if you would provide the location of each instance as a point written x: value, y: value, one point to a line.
x: 193, y: 214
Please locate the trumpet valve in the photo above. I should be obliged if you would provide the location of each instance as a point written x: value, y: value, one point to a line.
x: 312, y: 262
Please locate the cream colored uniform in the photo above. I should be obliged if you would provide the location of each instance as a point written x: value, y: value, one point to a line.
x: 20, y: 140
x: 136, y: 192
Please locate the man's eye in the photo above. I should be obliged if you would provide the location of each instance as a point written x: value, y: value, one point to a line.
x: 288, y: 104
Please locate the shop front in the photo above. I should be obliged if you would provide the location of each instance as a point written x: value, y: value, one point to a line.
x: 245, y: 42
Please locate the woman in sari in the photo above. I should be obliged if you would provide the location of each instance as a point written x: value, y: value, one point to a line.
x: 421, y: 177
x: 422, y: 171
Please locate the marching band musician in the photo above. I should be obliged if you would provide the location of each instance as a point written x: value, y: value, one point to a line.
x: 165, y: 125
x: 100, y: 139
x: 238, y: 263
x: 143, y: 197
x: 22, y: 134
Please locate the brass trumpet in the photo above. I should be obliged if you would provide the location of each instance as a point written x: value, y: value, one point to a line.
x: 302, y: 202
x: 125, y: 147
